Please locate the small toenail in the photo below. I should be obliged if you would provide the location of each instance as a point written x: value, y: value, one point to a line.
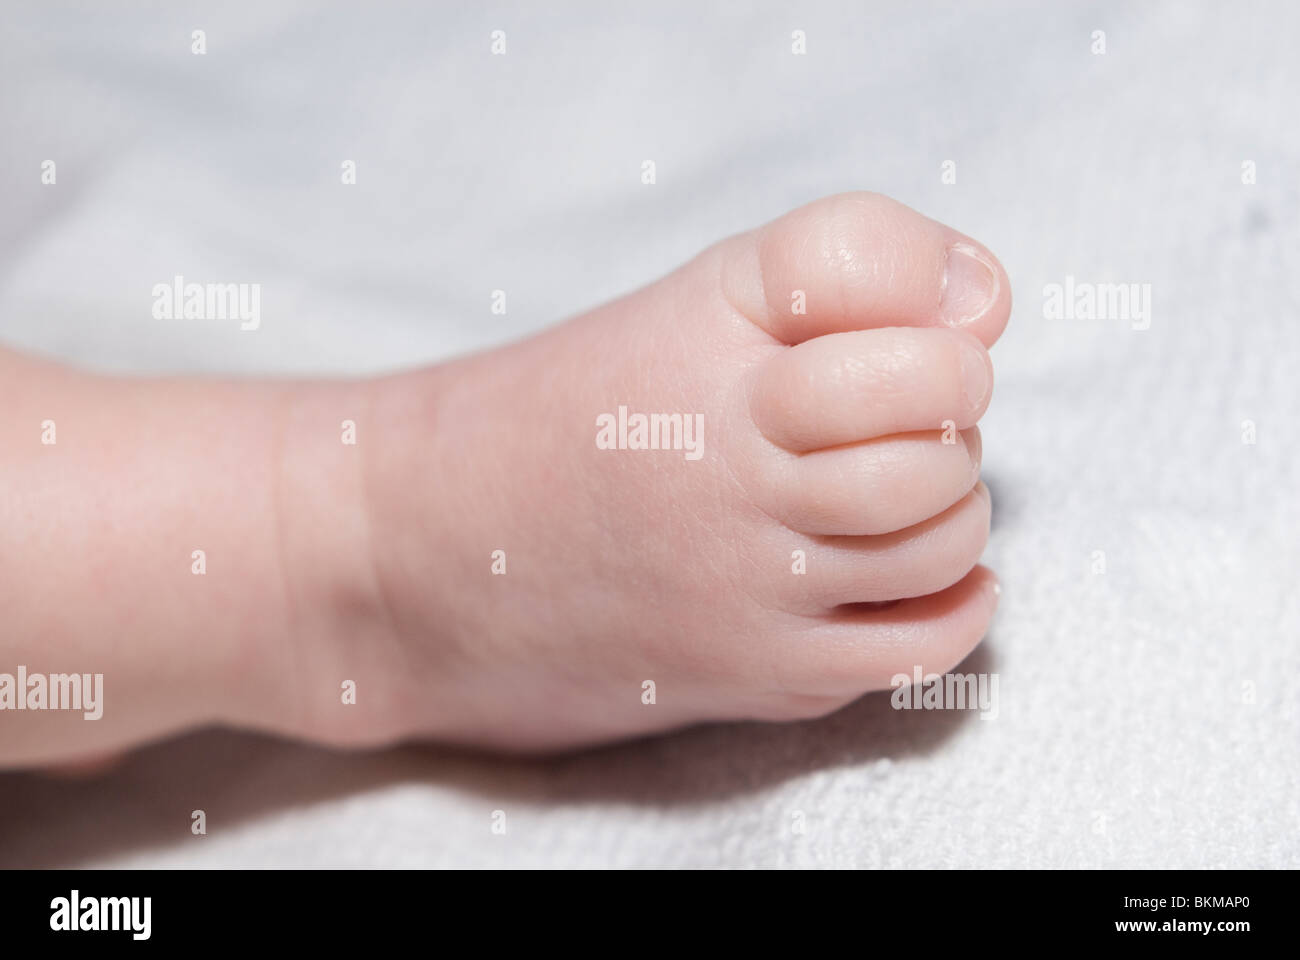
x: 970, y: 286
x: 974, y: 375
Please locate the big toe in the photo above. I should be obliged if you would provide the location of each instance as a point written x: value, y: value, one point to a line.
x: 857, y: 261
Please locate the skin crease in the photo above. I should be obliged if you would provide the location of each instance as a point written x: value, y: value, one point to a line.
x: 372, y: 563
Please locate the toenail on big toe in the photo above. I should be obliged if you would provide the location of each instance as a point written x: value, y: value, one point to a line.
x: 970, y: 286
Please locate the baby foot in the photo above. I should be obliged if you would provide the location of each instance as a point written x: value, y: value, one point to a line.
x: 526, y: 575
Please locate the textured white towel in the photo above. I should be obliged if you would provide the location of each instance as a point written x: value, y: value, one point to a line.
x: 1149, y: 714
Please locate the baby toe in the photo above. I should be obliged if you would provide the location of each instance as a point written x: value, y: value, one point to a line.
x: 855, y: 651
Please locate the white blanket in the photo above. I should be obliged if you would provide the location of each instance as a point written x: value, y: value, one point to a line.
x: 1148, y: 714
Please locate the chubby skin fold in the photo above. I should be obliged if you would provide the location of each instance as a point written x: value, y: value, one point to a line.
x: 837, y: 361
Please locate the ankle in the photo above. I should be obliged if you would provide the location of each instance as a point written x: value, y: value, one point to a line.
x: 323, y: 674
